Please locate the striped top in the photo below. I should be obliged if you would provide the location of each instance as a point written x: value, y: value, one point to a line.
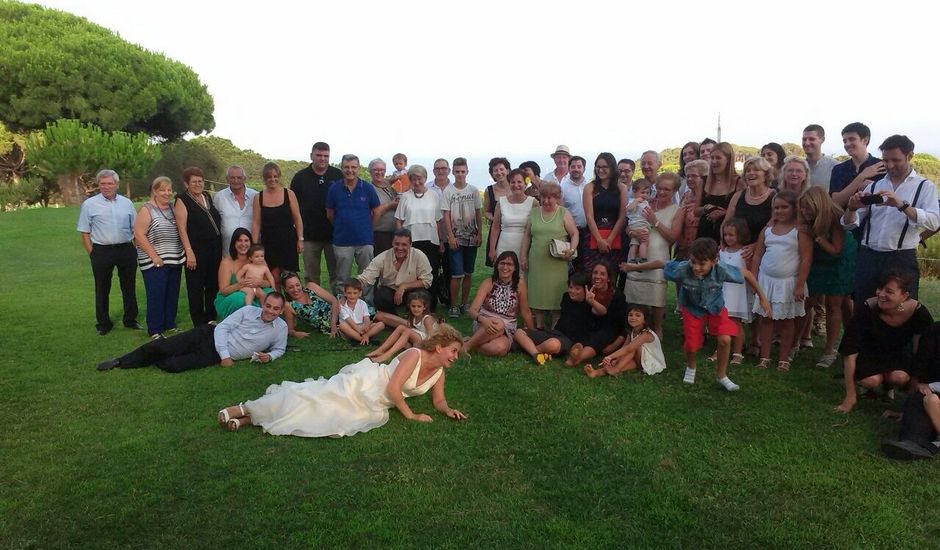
x: 164, y: 237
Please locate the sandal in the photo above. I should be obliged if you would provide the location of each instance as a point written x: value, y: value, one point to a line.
x: 783, y: 366
x: 542, y: 358
x: 736, y: 359
x: 712, y: 358
x: 763, y: 363
x: 827, y: 360
x: 234, y: 424
x: 806, y: 343
x: 224, y: 417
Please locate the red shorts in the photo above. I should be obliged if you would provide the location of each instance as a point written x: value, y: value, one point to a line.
x: 693, y: 328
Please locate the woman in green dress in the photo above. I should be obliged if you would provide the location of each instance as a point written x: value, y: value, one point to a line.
x: 832, y: 274
x: 230, y: 297
x: 547, y: 276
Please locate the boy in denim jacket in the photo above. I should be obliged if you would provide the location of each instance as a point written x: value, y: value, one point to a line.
x: 701, y: 278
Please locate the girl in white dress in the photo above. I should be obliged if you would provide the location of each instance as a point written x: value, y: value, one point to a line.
x: 642, y: 348
x: 783, y: 254
x: 738, y: 298
x: 358, y: 397
x: 512, y: 214
x: 420, y: 325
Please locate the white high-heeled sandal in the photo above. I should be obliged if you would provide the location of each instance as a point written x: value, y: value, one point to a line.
x: 224, y: 416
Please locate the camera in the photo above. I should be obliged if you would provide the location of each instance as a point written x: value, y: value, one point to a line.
x: 872, y: 199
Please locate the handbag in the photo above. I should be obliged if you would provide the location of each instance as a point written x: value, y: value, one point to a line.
x: 557, y: 248
x: 604, y: 234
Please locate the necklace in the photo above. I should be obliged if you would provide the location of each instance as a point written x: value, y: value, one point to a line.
x: 421, y: 196
x: 550, y: 220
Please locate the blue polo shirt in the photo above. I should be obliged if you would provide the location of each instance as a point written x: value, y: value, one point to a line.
x: 352, y: 212
x: 844, y: 172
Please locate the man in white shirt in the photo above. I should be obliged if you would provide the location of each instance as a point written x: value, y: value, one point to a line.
x: 562, y: 158
x: 250, y: 333
x: 891, y: 227
x: 234, y: 204
x: 572, y: 196
x: 820, y: 165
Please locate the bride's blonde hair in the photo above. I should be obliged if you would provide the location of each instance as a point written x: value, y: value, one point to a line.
x: 443, y: 335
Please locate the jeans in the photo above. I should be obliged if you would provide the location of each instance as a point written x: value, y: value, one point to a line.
x: 163, y: 294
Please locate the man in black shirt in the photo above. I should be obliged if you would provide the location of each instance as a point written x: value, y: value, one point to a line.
x: 310, y: 185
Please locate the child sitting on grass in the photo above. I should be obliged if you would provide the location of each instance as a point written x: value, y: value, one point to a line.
x: 578, y: 307
x: 256, y: 268
x: 420, y: 325
x: 354, y: 320
x: 701, y: 301
x: 642, y: 348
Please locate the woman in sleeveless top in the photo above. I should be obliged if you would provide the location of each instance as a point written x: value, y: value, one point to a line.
x: 231, y: 297
x: 277, y: 224
x: 512, y: 213
x: 200, y: 227
x: 715, y: 195
x: 605, y: 204
x: 160, y: 257
x: 753, y: 204
x: 499, y: 170
x: 499, y: 300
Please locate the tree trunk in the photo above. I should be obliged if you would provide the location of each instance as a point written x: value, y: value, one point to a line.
x: 71, y: 189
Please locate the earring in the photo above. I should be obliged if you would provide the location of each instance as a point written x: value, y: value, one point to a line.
x: 901, y: 306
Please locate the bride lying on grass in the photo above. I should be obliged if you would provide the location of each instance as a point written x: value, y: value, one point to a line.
x: 358, y: 397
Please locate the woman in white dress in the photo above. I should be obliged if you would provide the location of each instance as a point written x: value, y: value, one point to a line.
x: 358, y: 397
x: 512, y: 213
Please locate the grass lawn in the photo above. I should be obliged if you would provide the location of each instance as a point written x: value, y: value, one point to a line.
x: 547, y: 457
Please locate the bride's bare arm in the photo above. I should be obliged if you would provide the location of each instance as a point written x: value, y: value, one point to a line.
x: 440, y: 402
x: 407, y: 363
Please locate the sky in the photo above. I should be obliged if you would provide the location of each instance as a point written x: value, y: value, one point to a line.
x: 486, y: 78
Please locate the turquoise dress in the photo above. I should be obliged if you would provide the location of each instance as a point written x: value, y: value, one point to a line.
x: 227, y: 305
x: 833, y: 275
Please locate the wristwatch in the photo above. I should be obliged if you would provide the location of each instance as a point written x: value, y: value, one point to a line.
x: 904, y: 206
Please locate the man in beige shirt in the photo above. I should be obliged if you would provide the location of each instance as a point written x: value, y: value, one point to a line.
x: 395, y: 273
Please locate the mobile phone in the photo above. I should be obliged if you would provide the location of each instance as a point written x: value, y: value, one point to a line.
x: 872, y: 199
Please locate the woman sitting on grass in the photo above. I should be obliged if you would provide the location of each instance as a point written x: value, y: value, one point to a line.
x: 642, y: 348
x: 357, y: 398
x: 882, y: 337
x: 494, y: 309
x: 421, y: 323
x: 311, y: 304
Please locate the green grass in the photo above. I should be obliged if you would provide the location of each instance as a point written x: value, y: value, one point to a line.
x: 548, y: 457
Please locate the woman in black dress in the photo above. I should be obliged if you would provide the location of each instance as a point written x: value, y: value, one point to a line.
x: 881, y: 340
x: 715, y: 195
x: 200, y: 227
x: 277, y: 223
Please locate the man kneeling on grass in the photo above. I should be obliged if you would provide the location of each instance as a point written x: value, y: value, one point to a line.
x: 251, y: 332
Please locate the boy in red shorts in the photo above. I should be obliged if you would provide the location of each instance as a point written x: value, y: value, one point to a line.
x: 701, y: 278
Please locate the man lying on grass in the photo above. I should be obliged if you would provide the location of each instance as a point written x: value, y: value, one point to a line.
x: 250, y: 332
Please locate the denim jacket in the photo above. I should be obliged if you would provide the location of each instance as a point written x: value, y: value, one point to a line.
x: 701, y: 296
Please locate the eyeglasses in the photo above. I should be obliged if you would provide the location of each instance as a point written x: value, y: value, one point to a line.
x: 285, y: 275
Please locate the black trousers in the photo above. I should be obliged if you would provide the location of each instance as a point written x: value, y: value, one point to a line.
x: 202, y: 283
x: 433, y: 252
x: 193, y: 349
x: 104, y: 258
x: 384, y: 299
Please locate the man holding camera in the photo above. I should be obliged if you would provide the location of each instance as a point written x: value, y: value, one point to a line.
x: 892, y: 212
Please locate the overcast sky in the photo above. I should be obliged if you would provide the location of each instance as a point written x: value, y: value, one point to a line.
x: 489, y: 78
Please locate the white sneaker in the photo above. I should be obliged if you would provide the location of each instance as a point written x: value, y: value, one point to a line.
x: 689, y: 377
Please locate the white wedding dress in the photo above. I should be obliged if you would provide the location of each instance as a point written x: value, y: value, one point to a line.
x: 351, y: 401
